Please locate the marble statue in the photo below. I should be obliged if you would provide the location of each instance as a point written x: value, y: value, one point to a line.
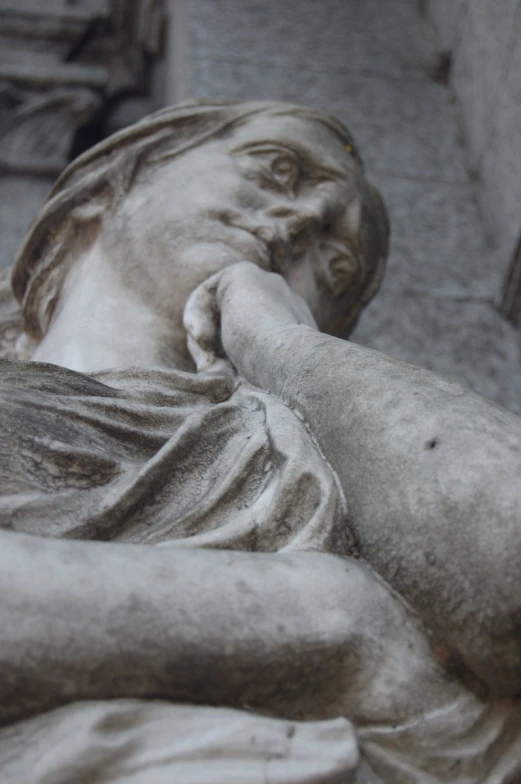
x: 237, y: 547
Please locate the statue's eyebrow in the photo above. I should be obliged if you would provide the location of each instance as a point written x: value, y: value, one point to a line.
x: 265, y: 146
x: 303, y: 155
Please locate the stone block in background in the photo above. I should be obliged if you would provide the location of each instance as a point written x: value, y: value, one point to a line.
x: 501, y: 161
x: 436, y: 245
x: 361, y: 35
x: 486, y: 78
x: 481, y: 60
x: 446, y: 16
x: 20, y: 199
x: 69, y: 73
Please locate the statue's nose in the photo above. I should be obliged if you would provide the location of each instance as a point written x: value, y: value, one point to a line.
x: 296, y: 218
x: 297, y: 229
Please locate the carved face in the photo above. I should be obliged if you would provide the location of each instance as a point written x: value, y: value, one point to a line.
x: 281, y: 192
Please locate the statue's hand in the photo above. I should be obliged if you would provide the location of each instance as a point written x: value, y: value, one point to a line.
x: 235, y: 317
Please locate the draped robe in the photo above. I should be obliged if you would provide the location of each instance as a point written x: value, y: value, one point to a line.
x: 166, y: 458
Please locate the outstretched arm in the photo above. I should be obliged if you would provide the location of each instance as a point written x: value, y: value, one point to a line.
x: 432, y: 472
x: 304, y: 635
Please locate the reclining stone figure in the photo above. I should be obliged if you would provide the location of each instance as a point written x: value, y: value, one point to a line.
x: 235, y: 546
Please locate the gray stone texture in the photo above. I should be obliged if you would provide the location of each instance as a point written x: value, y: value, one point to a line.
x: 20, y: 198
x: 59, y: 62
x: 501, y: 168
x: 486, y: 77
x: 373, y: 36
x: 446, y: 16
x: 371, y: 62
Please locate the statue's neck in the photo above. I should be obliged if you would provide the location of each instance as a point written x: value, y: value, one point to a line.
x: 100, y: 324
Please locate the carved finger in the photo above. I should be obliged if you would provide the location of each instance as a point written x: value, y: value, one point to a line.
x: 201, y: 321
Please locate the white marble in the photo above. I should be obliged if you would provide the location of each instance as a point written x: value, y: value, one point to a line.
x: 235, y: 546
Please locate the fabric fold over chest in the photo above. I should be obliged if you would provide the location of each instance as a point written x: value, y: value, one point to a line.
x: 161, y: 457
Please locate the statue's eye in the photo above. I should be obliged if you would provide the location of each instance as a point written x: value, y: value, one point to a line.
x: 285, y: 171
x: 273, y: 168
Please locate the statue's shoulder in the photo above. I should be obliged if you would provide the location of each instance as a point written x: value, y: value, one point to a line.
x: 43, y: 377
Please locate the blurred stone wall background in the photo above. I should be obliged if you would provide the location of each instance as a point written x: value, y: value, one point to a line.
x: 481, y: 41
x: 390, y: 69
x: 71, y: 72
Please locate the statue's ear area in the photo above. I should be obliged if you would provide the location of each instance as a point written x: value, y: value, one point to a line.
x: 340, y: 260
x: 340, y: 268
x: 353, y: 269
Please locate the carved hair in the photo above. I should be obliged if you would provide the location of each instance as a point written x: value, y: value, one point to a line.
x: 97, y: 181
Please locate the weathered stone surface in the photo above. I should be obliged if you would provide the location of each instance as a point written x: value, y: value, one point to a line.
x: 447, y: 18
x: 20, y: 198
x: 59, y: 63
x: 487, y: 32
x: 50, y: 19
x: 486, y: 74
x: 501, y: 165
x: 365, y: 35
x: 436, y: 247
x: 230, y: 461
x: 37, y: 137
x: 40, y: 72
x: 58, y: 66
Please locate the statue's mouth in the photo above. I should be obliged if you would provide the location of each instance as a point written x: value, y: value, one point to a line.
x: 273, y: 246
x: 277, y: 245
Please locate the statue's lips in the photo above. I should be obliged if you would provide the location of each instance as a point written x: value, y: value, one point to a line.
x: 272, y: 244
